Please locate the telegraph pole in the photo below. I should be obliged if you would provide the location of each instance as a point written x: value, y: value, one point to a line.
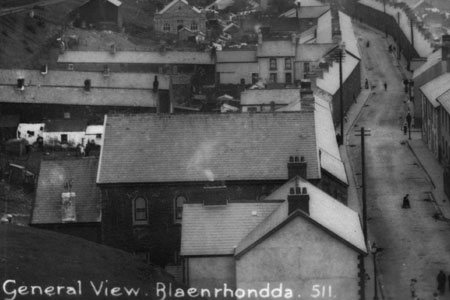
x: 362, y: 134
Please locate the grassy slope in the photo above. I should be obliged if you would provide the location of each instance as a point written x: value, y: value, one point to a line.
x: 38, y: 257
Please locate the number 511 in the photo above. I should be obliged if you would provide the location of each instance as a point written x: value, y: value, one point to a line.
x: 321, y: 291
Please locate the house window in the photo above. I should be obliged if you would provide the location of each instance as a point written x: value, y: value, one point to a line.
x: 98, y: 136
x: 140, y: 214
x: 63, y: 138
x: 288, y: 63
x: 178, y: 206
x: 66, y: 115
x: 306, y: 67
x: 288, y: 78
x: 166, y: 27
x: 272, y: 63
x: 194, y: 26
x: 273, y: 77
x: 252, y: 109
x: 70, y: 67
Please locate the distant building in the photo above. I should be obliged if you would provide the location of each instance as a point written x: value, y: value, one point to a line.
x: 298, y: 237
x: 79, y: 95
x: 435, y: 100
x: 67, y: 198
x: 30, y: 132
x: 64, y: 133
x: 101, y: 14
x: 437, y: 64
x: 159, y: 62
x: 177, y: 15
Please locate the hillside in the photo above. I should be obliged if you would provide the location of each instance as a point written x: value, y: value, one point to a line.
x: 33, y: 257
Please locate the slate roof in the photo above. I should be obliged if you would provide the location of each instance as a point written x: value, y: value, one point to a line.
x: 323, y: 209
x: 313, y: 52
x: 348, y: 35
x: 115, y: 2
x: 52, y: 177
x: 171, y: 4
x: 265, y: 96
x: 444, y: 100
x: 236, y: 56
x: 306, y: 12
x: 435, y: 88
x: 66, y: 125
x: 330, y: 158
x: 218, y: 230
x: 77, y: 96
x: 233, y: 228
x: 203, y: 147
x: 137, y: 57
x: 276, y: 49
x: 433, y: 59
x: 330, y: 81
x: 55, y: 78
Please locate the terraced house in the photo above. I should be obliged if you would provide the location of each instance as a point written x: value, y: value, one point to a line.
x: 177, y: 15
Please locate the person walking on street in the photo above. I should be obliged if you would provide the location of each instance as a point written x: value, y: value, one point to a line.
x: 441, y: 280
x: 405, y: 128
x: 406, y: 203
x: 412, y: 288
x: 385, y: 86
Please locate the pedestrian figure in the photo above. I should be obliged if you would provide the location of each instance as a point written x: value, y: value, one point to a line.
x: 441, y: 279
x: 390, y: 48
x: 366, y: 84
x: 385, y: 86
x: 406, y: 203
x: 405, y: 128
x: 368, y: 44
x: 412, y: 288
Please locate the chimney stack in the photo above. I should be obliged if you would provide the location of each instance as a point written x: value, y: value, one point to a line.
x: 297, y: 167
x: 155, y: 84
x: 306, y: 95
x: 298, y: 199
x: 446, y: 49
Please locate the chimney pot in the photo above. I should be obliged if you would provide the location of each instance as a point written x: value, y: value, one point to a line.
x: 296, y: 168
x: 87, y: 85
x: 298, y: 202
x: 21, y: 84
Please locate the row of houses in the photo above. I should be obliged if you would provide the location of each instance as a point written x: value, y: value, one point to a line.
x: 431, y: 91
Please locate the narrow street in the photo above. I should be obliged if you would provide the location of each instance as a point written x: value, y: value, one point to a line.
x: 415, y: 244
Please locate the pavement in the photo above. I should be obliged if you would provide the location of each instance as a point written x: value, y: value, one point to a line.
x: 423, y: 158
